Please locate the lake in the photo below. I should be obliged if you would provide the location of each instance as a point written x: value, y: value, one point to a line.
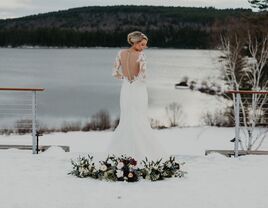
x: 78, y: 82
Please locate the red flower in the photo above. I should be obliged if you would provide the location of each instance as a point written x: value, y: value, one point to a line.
x: 133, y: 162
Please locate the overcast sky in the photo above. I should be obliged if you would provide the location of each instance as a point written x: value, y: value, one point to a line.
x: 18, y: 8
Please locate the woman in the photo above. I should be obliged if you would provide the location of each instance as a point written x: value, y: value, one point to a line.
x: 134, y: 136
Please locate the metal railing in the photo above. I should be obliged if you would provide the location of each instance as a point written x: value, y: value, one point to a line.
x: 251, y: 117
x: 18, y: 108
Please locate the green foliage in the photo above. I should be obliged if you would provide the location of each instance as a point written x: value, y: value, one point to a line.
x: 126, y: 168
x: 84, y: 167
x: 157, y: 170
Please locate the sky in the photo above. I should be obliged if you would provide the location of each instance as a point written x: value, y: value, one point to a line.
x: 19, y: 8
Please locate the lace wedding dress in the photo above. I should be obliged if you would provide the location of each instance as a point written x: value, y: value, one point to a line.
x: 134, y: 135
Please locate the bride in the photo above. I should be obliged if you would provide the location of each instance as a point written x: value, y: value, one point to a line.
x: 134, y: 136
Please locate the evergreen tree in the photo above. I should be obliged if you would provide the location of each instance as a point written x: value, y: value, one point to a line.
x: 166, y: 27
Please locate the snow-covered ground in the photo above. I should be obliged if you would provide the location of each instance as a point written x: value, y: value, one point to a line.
x: 213, y: 181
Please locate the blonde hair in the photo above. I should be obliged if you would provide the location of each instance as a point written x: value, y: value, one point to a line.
x: 135, y: 37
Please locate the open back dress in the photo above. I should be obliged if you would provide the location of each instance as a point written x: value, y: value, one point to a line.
x: 134, y: 136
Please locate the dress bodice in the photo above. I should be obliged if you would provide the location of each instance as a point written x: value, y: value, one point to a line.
x: 136, y: 64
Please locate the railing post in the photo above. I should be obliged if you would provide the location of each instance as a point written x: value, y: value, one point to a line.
x: 237, y: 121
x: 33, y: 90
x: 34, y: 139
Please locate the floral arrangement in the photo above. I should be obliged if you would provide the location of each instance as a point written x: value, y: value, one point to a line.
x: 125, y: 168
x: 158, y: 171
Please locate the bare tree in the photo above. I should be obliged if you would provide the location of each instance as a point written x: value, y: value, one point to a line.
x: 23, y: 126
x: 221, y: 117
x: 70, y: 126
x: 247, y: 71
x: 259, y: 57
x: 174, y: 113
x: 101, y: 120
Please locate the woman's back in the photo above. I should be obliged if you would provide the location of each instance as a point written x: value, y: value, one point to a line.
x: 132, y: 64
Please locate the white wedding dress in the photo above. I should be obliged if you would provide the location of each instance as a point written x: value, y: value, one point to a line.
x: 134, y: 136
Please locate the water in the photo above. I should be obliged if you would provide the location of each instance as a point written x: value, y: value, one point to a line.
x: 78, y: 82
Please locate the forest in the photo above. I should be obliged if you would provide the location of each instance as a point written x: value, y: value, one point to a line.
x: 108, y: 26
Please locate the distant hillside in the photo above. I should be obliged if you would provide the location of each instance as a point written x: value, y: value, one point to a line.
x: 108, y: 26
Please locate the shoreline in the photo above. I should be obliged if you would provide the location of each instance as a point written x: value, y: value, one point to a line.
x: 98, y: 47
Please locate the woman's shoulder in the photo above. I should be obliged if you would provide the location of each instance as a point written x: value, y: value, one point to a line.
x: 121, y: 51
x: 141, y: 56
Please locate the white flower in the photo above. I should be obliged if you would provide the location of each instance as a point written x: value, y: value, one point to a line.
x: 119, y: 173
x: 103, y: 168
x: 120, y: 165
x: 169, y: 164
x: 155, y: 167
x: 86, y: 171
x: 109, y: 161
x: 83, y: 170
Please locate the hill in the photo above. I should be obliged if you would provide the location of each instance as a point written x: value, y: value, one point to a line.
x: 107, y: 26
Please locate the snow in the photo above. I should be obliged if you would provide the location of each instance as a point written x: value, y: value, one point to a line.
x: 213, y: 181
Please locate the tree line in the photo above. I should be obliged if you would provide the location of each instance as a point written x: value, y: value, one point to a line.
x: 166, y: 27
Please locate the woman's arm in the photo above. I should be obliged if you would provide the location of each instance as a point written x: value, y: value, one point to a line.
x: 142, y: 65
x: 117, y: 64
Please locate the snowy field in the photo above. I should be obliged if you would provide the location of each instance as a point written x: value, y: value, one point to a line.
x: 213, y: 181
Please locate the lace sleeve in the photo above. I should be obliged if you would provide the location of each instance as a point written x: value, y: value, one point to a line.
x: 117, y: 67
x: 142, y: 63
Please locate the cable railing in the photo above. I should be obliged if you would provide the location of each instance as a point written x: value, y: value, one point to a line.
x: 18, y: 112
x: 251, y: 119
